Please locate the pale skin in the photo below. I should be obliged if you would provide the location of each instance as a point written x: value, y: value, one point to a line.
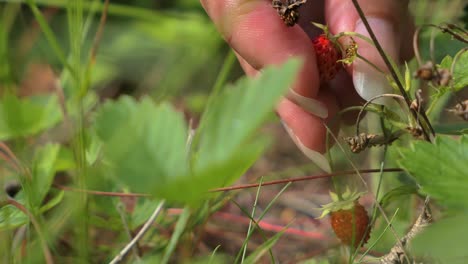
x: 260, y: 38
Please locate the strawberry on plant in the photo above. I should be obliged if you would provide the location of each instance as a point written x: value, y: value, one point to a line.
x: 348, y: 218
x: 328, y: 56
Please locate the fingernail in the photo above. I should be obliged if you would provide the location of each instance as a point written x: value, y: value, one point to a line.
x: 310, y: 105
x: 316, y: 157
x: 369, y: 82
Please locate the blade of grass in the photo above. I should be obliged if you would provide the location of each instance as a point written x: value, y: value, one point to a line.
x: 374, y: 209
x: 257, y: 225
x: 50, y: 37
x: 249, y: 230
x: 378, y: 238
x: 213, y: 254
x: 261, y: 250
x: 179, y: 229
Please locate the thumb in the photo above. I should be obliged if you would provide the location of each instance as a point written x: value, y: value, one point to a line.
x: 387, y: 18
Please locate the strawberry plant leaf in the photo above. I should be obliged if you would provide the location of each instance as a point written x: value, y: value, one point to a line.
x: 20, y: 117
x: 444, y: 179
x: 460, y: 71
x: 11, y: 217
x: 446, y: 239
x: 392, y: 195
x: 143, y: 143
x: 446, y: 62
x: 237, y: 113
x: 43, y: 171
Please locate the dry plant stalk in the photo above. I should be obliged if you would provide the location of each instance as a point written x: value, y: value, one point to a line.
x: 363, y: 140
x: 395, y: 256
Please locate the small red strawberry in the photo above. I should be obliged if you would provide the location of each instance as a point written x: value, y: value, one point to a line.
x: 348, y: 218
x: 350, y: 225
x: 327, y: 57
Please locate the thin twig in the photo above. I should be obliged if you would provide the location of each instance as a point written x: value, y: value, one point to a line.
x: 306, y: 178
x: 100, y: 30
x: 140, y: 234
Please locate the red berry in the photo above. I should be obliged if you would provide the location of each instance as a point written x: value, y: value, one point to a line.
x: 349, y: 223
x: 327, y: 57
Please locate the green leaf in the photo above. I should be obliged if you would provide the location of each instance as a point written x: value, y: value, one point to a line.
x: 446, y: 62
x: 143, y: 142
x: 397, y: 192
x: 407, y: 78
x: 20, y: 117
x: 444, y: 240
x: 460, y: 71
x: 11, y: 217
x: 43, y: 171
x: 440, y: 169
x: 194, y: 189
x: 237, y: 113
x: 53, y: 202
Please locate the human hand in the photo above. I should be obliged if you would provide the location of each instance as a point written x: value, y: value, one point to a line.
x: 259, y: 38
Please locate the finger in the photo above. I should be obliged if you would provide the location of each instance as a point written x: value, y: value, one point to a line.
x: 248, y: 69
x: 305, y: 129
x: 308, y: 131
x: 384, y: 17
x: 342, y: 87
x: 254, y: 30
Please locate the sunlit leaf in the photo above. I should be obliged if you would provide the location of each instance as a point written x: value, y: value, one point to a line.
x: 440, y: 169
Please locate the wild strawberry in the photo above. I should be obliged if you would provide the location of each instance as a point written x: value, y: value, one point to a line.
x: 327, y: 57
x: 348, y: 218
x: 350, y: 225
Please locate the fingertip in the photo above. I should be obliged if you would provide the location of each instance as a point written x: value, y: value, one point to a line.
x: 308, y: 128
